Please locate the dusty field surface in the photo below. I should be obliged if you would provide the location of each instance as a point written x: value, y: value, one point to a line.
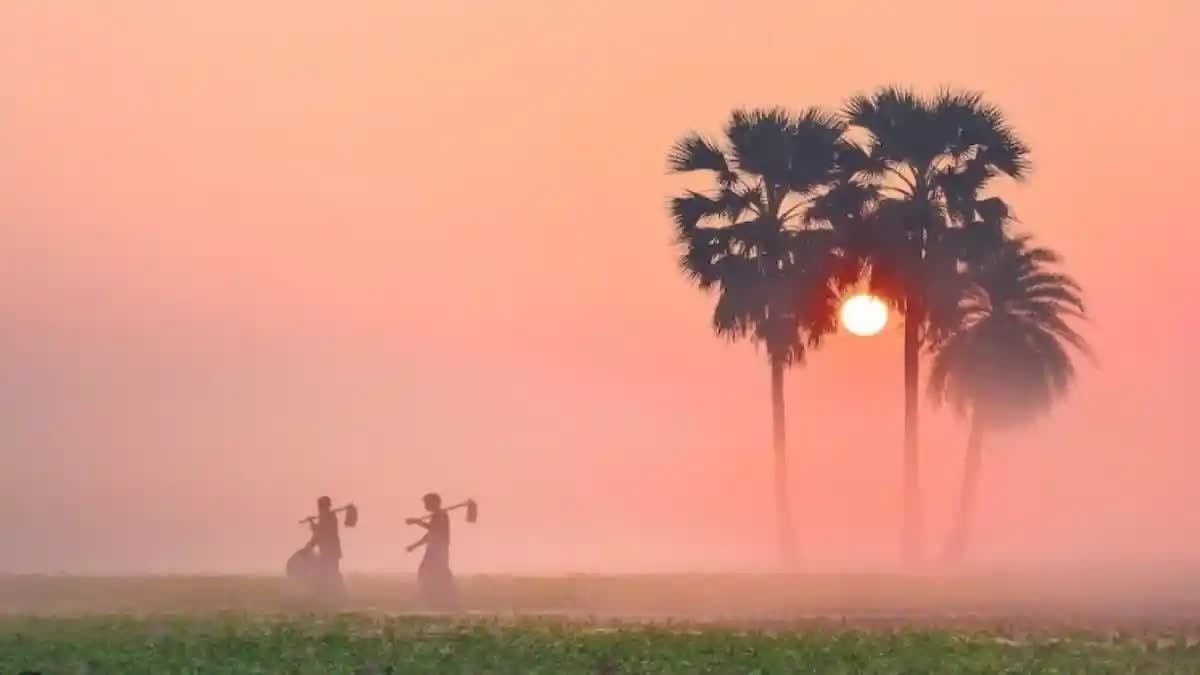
x: 605, y: 626
x: 1129, y: 602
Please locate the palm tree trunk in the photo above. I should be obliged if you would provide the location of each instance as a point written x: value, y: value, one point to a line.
x: 956, y: 546
x: 783, y: 511
x: 912, y: 477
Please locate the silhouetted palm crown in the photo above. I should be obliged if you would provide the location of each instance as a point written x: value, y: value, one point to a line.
x: 910, y: 199
x: 1007, y: 360
x: 750, y: 237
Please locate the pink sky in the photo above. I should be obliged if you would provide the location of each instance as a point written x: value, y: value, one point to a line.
x: 257, y: 252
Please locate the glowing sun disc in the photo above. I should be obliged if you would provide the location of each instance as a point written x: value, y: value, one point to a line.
x: 864, y: 315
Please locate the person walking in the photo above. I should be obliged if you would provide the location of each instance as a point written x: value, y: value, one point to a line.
x: 328, y: 544
x: 434, y: 578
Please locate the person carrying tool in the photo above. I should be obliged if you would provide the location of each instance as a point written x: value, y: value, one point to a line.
x: 325, y: 538
x: 434, y: 577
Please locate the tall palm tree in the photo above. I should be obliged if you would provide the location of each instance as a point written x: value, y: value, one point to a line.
x: 749, y: 239
x: 920, y: 165
x: 1007, y: 359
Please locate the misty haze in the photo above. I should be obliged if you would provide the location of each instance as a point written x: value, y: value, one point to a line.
x: 258, y: 253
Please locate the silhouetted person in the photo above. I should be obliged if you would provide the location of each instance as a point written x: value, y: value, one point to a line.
x: 434, y: 577
x: 328, y: 543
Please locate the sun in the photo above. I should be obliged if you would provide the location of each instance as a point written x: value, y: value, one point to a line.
x: 864, y: 315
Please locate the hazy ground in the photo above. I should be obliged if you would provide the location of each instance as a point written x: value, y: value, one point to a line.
x: 1024, y: 602
x: 597, y: 625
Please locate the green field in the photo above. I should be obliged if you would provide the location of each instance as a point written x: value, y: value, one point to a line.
x: 163, y: 625
x: 358, y: 643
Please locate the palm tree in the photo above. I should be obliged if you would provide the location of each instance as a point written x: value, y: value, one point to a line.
x: 749, y: 239
x: 918, y: 167
x: 1007, y: 360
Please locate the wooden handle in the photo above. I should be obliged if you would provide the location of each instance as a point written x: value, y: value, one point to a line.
x: 337, y: 510
x: 459, y: 505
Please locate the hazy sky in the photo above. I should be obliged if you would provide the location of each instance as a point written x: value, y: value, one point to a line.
x: 254, y: 252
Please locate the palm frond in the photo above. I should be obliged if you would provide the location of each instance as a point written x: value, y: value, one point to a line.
x: 844, y: 204
x: 980, y: 128
x: 1049, y: 319
x: 900, y: 124
x: 760, y: 142
x: 705, y: 258
x: 736, y: 312
x: 691, y: 209
x: 1038, y: 280
x: 993, y: 211
x: 818, y: 126
x: 752, y: 239
x: 740, y: 201
x: 1007, y: 360
x: 948, y: 372
x: 961, y: 188
x: 854, y: 161
x: 1036, y: 256
x: 696, y: 153
x: 930, y: 161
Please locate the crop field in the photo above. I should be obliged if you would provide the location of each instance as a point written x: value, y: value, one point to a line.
x: 720, y: 625
x: 356, y: 644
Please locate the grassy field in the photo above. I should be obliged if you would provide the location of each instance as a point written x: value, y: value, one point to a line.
x: 597, y: 625
x: 360, y: 644
x: 1088, y: 601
